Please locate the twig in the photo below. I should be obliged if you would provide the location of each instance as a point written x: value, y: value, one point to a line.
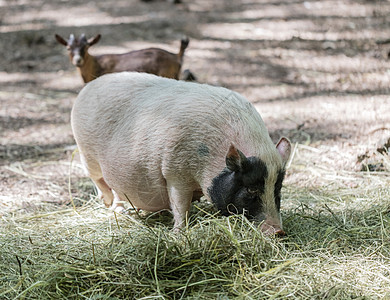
x: 155, y: 264
x: 139, y: 216
x: 69, y: 179
x: 379, y: 129
x: 24, y: 173
x: 332, y: 213
x: 116, y: 219
x: 132, y: 205
x: 20, y: 265
x: 315, y: 150
x: 93, y: 254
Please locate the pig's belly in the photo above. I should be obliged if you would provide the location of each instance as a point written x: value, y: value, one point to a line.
x: 144, y: 192
x: 146, y: 199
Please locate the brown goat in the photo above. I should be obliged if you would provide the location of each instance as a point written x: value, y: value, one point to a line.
x: 152, y: 60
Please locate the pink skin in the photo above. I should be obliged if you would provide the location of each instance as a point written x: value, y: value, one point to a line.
x: 161, y: 142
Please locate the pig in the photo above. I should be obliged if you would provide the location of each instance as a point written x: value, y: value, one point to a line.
x: 158, y: 142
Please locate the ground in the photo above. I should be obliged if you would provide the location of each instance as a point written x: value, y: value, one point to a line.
x: 317, y: 71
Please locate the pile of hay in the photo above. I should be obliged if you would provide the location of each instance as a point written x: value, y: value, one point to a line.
x: 337, y: 246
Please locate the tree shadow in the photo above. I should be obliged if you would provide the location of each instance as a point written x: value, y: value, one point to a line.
x: 36, y: 51
x: 11, y: 153
x: 14, y: 124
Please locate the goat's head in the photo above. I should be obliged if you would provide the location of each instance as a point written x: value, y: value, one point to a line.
x: 77, y: 47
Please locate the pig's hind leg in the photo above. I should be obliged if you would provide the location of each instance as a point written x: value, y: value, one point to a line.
x: 94, y: 171
x: 104, y: 191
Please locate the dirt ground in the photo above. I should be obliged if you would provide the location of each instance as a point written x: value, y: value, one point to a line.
x: 318, y: 72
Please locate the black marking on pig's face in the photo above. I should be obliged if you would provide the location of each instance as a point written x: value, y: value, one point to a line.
x: 240, y: 187
x: 240, y: 191
x: 278, y: 188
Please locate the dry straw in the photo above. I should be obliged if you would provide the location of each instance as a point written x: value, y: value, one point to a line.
x: 337, y: 247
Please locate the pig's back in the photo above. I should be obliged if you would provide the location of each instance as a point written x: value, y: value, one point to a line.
x: 137, y: 123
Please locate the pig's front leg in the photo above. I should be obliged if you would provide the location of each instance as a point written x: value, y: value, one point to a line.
x: 180, y: 198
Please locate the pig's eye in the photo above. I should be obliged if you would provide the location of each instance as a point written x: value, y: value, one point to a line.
x: 251, y: 190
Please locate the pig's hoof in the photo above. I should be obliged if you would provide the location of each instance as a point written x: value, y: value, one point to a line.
x: 176, y: 230
x: 118, y: 209
x: 108, y: 204
x: 179, y: 228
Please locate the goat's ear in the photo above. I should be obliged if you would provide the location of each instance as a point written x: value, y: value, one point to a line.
x: 61, y: 40
x: 94, y: 40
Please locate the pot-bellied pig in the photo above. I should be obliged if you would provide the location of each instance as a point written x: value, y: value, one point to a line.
x: 156, y: 142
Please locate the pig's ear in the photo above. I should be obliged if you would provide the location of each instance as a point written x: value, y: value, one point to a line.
x: 284, y: 149
x: 234, y: 159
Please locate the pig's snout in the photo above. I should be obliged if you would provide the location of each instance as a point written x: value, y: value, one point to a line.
x: 270, y: 228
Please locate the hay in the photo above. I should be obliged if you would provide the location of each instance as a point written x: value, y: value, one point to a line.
x: 96, y: 254
x: 337, y: 247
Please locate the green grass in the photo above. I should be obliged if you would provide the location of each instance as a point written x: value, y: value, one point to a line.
x: 337, y: 247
